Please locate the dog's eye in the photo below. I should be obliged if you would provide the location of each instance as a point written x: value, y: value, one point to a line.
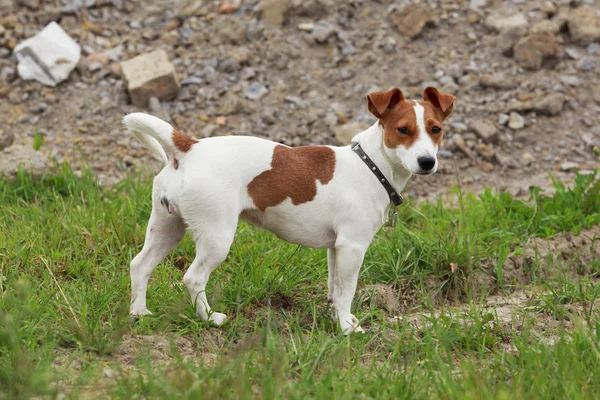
x: 436, y: 130
x: 403, y: 130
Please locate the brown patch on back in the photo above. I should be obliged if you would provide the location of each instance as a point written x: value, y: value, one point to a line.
x: 182, y: 142
x: 403, y: 115
x: 294, y: 173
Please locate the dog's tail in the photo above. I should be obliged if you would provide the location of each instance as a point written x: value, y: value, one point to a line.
x: 157, y: 135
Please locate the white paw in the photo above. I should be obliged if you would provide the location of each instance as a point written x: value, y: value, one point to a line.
x: 140, y: 311
x: 350, y: 324
x: 217, y: 318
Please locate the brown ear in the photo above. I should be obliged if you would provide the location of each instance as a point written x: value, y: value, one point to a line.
x: 443, y: 101
x: 380, y: 102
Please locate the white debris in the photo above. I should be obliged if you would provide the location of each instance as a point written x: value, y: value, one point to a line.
x: 48, y: 57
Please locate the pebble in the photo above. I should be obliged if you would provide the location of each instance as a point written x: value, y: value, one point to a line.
x: 585, y: 64
x: 322, y: 31
x: 592, y: 49
x: 255, y: 91
x: 503, y: 119
x: 551, y: 104
x: 568, y: 166
x: 570, y: 80
x: 516, y: 121
x: 306, y: 27
x: 485, y: 129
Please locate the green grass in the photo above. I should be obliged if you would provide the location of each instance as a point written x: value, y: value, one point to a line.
x: 65, y: 247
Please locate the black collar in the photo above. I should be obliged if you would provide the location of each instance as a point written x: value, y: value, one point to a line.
x: 394, y: 196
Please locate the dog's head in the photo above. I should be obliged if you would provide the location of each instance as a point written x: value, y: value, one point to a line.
x: 412, y: 130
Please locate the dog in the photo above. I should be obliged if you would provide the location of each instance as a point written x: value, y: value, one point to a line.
x: 316, y: 196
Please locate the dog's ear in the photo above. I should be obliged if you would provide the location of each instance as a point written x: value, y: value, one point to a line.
x: 380, y: 102
x: 443, y: 101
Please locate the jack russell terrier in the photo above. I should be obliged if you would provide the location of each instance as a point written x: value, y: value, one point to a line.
x: 317, y: 196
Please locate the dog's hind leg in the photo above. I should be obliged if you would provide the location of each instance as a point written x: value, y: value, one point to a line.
x: 212, y: 246
x: 163, y: 234
x: 332, y: 269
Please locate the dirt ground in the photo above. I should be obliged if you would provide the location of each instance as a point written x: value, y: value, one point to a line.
x: 313, y: 62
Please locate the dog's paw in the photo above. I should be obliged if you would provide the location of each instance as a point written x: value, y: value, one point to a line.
x: 140, y: 312
x: 350, y: 325
x: 217, y: 318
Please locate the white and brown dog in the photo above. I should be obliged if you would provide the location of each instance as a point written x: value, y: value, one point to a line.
x: 316, y: 196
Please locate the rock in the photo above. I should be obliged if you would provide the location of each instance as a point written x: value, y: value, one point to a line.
x: 568, y: 166
x: 345, y: 133
x: 322, y: 31
x: 477, y: 3
x: 460, y: 144
x: 209, y: 130
x: 485, y: 129
x: 306, y: 26
x: 221, y: 121
x: 48, y: 57
x: 412, y: 19
x: 255, y: 91
x: 592, y: 49
x: 551, y: 104
x: 584, y: 25
x: 503, y: 119
x: 274, y: 11
x: 8, y: 74
x: 537, y: 49
x: 570, y: 80
x: 506, y: 21
x: 486, y: 151
x: 150, y: 75
x: 6, y: 139
x: 516, y: 121
x: 228, y: 7
x: 31, y: 4
x: 497, y: 81
x: 585, y: 64
x: 573, y: 53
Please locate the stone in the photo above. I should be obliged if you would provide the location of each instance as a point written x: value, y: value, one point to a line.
x: 345, y: 133
x: 255, y: 91
x: 221, y: 121
x: 486, y: 151
x: 274, y: 11
x: 551, y: 104
x: 7, y: 138
x: 584, y: 25
x: 485, y: 129
x: 497, y: 81
x: 477, y: 3
x: 573, y: 53
x: 568, y: 166
x: 48, y: 57
x: 31, y: 4
x: 150, y: 75
x: 506, y: 20
x: 228, y: 7
x: 306, y: 26
x: 503, y: 119
x: 322, y: 31
x: 412, y: 19
x: 592, y: 49
x: 537, y: 49
x: 570, y: 80
x: 585, y: 64
x: 516, y: 121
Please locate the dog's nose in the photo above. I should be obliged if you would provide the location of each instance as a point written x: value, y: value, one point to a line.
x: 426, y: 162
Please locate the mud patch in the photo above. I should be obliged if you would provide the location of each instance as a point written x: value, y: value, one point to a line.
x: 575, y: 255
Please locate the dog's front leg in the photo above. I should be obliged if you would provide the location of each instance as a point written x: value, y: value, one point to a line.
x: 349, y: 258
